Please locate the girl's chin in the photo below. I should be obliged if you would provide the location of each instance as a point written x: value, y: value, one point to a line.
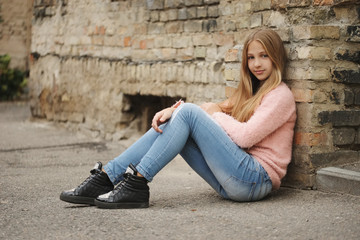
x: 261, y: 77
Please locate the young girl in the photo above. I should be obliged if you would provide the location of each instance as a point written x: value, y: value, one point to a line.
x: 241, y: 146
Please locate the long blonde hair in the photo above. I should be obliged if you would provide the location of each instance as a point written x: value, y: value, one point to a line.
x: 245, y: 98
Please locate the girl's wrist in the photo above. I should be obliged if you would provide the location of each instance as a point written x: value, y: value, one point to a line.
x: 177, y: 104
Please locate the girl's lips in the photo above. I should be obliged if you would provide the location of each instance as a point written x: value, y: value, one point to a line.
x: 259, y: 72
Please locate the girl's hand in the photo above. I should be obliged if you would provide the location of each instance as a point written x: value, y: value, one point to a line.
x: 161, y: 117
x: 210, y: 107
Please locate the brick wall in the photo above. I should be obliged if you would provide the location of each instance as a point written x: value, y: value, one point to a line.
x: 15, y: 31
x: 95, y: 62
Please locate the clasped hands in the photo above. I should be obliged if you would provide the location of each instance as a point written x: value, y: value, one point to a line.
x: 165, y: 114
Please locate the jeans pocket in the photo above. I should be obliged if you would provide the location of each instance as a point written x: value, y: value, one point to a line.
x: 239, y: 190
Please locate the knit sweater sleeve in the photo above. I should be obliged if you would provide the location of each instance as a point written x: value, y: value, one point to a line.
x: 274, y: 110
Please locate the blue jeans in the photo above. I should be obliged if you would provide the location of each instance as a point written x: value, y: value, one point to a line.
x: 205, y: 146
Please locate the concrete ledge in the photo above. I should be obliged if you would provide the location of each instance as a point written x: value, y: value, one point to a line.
x: 340, y: 180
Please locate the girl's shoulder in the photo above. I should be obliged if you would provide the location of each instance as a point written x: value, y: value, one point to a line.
x: 280, y: 95
x: 282, y: 91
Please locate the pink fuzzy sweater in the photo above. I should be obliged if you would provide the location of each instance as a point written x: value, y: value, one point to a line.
x: 268, y: 134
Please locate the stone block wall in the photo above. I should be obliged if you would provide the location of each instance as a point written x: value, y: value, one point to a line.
x: 15, y: 31
x: 104, y: 67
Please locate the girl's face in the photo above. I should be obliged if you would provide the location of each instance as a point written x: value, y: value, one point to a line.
x: 259, y: 62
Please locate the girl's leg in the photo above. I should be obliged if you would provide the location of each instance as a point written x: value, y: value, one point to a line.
x: 194, y: 157
x: 239, y: 174
x: 117, y: 167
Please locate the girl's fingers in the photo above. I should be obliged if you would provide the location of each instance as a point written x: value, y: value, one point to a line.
x: 160, y: 118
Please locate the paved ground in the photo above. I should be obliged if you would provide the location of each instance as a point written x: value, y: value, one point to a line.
x: 38, y: 160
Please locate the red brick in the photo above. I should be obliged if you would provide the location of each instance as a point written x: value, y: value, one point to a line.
x: 127, y: 42
x: 310, y: 139
x: 302, y: 95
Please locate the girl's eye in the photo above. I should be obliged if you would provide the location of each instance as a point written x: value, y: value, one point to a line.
x: 250, y: 57
x: 265, y: 55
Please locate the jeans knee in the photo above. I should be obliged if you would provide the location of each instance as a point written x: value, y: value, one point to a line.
x: 189, y: 106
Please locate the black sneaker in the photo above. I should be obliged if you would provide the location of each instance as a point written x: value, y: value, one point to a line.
x: 96, y: 184
x: 132, y: 192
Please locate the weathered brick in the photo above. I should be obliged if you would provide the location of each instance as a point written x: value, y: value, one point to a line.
x: 343, y: 136
x: 173, y: 3
x: 97, y: 40
x: 108, y: 41
x: 310, y: 139
x: 76, y: 117
x: 243, y: 22
x: 349, y: 97
x: 172, y: 14
x: 232, y: 73
x: 174, y: 27
x: 200, y: 52
x: 202, y: 40
x: 289, y: 3
x: 346, y: 76
x: 320, y: 97
x: 340, y: 118
x: 211, y: 53
x: 147, y: 43
x: 209, y: 25
x: 154, y: 16
x: 182, y: 14
x: 323, y: 2
x: 160, y: 42
x: 302, y: 95
x: 353, y: 33
x: 316, y: 32
x: 191, y: 13
x: 316, y: 53
x: 127, y: 42
x: 155, y: 4
x: 232, y: 55
x: 223, y: 39
x: 193, y: 2
x: 185, y: 53
x: 274, y: 19
x: 335, y: 96
x: 156, y: 28
x: 256, y: 20
x: 317, y: 73
x: 357, y: 96
x: 164, y: 16
x: 193, y: 26
x: 348, y: 55
x: 182, y: 42
x: 201, y: 12
x: 211, y: 1
x: 260, y: 5
x: 344, y: 2
x: 213, y: 11
x: 334, y: 158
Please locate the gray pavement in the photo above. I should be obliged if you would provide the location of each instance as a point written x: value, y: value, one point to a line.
x: 39, y: 159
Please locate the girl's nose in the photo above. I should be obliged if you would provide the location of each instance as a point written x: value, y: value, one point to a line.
x: 257, y: 62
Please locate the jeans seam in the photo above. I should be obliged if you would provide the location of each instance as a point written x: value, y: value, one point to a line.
x: 149, y: 177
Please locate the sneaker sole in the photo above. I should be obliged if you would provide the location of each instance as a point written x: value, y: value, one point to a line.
x: 77, y: 199
x: 121, y: 205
